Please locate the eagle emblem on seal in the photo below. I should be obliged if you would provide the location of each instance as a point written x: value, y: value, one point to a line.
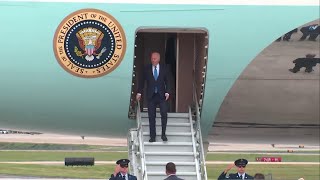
x: 89, y: 40
x: 89, y: 43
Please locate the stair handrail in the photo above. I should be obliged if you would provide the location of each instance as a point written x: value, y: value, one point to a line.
x: 194, y: 144
x: 140, y: 138
x: 198, y: 135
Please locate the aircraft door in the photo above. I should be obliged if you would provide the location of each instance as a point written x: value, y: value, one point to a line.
x: 185, y: 55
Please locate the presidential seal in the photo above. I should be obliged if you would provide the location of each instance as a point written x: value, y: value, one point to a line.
x: 89, y: 43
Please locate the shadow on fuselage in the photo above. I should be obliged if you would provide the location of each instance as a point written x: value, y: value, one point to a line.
x: 268, y: 103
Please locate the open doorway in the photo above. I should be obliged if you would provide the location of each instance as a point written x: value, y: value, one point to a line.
x: 184, y: 51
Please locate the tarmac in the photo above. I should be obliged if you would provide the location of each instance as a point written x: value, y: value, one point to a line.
x: 221, y: 146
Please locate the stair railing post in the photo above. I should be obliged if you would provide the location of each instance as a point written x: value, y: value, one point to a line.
x: 194, y: 144
x: 140, y: 139
x: 198, y: 135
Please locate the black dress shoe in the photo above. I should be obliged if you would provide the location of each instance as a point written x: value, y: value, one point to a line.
x: 152, y: 140
x: 291, y: 70
x: 164, y: 138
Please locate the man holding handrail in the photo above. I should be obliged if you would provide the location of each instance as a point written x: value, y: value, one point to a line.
x: 156, y: 76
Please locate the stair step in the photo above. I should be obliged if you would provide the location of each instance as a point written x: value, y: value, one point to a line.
x: 170, y: 119
x: 168, y: 143
x: 176, y: 163
x: 162, y: 177
x: 168, y: 146
x: 145, y: 128
x: 169, y: 124
x: 179, y: 115
x: 177, y: 149
x: 170, y: 156
x: 171, y: 133
x: 181, y: 166
x: 160, y: 173
x: 171, y: 137
x: 170, y: 153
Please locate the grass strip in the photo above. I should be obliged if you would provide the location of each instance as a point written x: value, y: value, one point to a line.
x: 278, y: 172
x: 58, y: 156
x: 66, y: 147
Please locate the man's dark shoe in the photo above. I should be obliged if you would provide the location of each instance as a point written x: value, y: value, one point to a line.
x: 152, y: 140
x: 164, y: 138
x: 291, y: 70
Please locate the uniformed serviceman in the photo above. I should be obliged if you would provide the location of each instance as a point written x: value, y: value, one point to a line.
x: 121, y: 171
x: 309, y: 30
x: 308, y: 62
x: 241, y: 165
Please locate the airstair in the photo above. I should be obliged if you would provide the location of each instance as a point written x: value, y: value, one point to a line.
x: 184, y: 147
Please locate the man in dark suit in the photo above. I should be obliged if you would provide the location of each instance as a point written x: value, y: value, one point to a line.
x: 258, y: 176
x: 171, y: 172
x: 156, y: 76
x: 308, y: 62
x: 314, y: 34
x: 288, y: 35
x: 121, y: 171
x: 241, y: 165
x: 309, y: 30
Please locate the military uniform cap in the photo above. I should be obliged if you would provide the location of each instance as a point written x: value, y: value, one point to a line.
x: 123, y: 162
x: 241, y: 162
